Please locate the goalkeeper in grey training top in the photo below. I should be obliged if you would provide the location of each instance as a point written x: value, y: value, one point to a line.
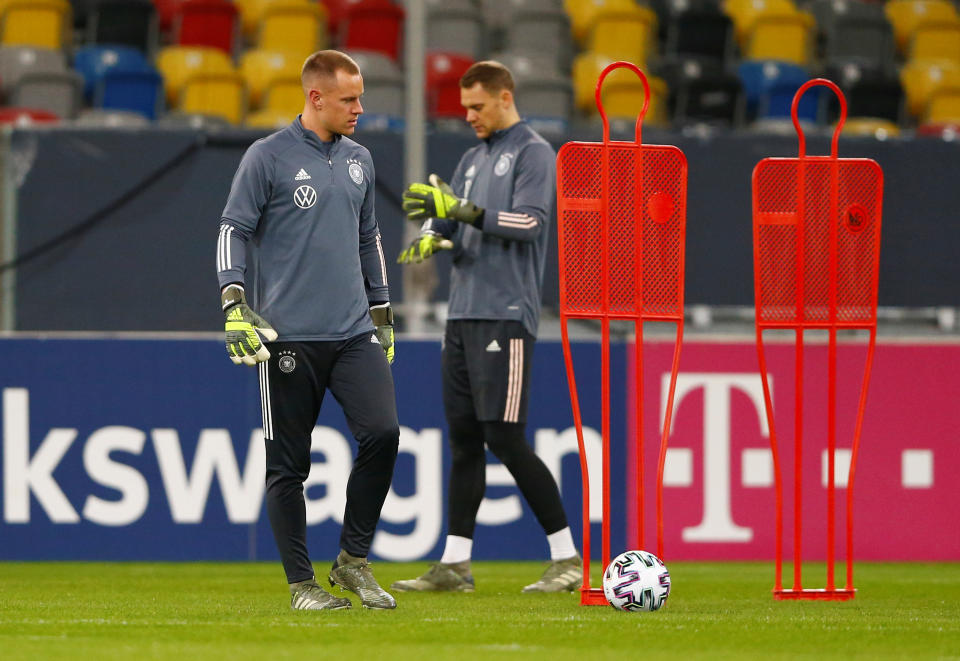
x: 496, y: 217
x: 300, y: 219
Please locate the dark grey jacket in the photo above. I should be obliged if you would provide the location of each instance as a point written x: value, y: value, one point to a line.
x: 497, y: 272
x: 299, y: 232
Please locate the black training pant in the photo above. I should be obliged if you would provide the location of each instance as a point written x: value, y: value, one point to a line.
x: 486, y: 375
x: 292, y: 385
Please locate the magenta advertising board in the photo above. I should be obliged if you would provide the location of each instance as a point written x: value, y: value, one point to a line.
x: 719, y: 495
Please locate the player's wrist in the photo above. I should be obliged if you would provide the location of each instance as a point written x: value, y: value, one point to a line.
x: 381, y: 314
x: 231, y: 296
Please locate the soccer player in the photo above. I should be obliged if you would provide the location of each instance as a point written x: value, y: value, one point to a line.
x: 300, y: 214
x: 495, y: 215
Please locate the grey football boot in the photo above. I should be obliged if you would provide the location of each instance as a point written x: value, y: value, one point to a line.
x: 561, y: 576
x: 441, y: 577
x: 308, y: 596
x: 354, y: 574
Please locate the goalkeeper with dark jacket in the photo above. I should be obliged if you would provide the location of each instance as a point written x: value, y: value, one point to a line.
x: 495, y: 216
x: 300, y: 215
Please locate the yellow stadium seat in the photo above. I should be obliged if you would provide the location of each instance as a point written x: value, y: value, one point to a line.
x: 220, y: 94
x: 777, y: 36
x: 906, y: 16
x: 251, y: 13
x: 921, y: 79
x: 582, y: 13
x: 260, y: 68
x: 943, y: 106
x: 42, y: 23
x: 292, y: 26
x: 623, y: 34
x: 622, y: 90
x: 178, y: 64
x: 269, y: 119
x: 881, y: 129
x: 936, y: 40
x: 744, y: 13
x: 285, y: 95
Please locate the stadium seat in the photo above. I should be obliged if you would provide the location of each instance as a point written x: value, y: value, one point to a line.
x: 268, y: 119
x: 744, y: 13
x: 42, y: 23
x: 260, y: 67
x: 101, y: 118
x: 539, y: 27
x: 623, y: 34
x: 284, y: 95
x: 212, y: 23
x: 455, y: 26
x: 622, y: 91
x: 123, y: 22
x: 869, y: 127
x: 945, y: 131
x: 944, y: 105
x: 220, y: 94
x: 93, y: 61
x: 26, y: 116
x: 769, y: 87
x: 544, y: 98
x: 697, y: 29
x: 854, y: 29
x: 907, y: 15
x: 166, y: 10
x: 292, y: 26
x: 701, y: 91
x: 56, y: 92
x: 444, y: 71
x: 372, y: 25
x: 383, y: 86
x: 921, y: 79
x: 130, y: 90
x: 871, y: 91
x: 179, y: 63
x: 15, y: 61
x: 936, y: 40
x: 582, y: 12
x: 780, y: 36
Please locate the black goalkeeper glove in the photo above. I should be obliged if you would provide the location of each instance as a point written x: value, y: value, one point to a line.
x: 437, y: 200
x: 244, y: 328
x: 382, y: 316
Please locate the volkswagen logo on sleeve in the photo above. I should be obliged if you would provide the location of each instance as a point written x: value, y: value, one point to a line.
x: 305, y: 197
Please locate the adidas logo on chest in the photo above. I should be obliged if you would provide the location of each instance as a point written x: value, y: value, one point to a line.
x: 302, y: 175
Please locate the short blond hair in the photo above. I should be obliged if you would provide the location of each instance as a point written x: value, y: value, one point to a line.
x: 325, y: 64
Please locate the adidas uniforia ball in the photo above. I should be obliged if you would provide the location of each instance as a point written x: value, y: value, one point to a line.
x: 636, y: 581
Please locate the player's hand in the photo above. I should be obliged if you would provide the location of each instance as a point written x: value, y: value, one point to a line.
x: 244, y: 327
x: 424, y: 246
x: 382, y: 316
x: 437, y: 200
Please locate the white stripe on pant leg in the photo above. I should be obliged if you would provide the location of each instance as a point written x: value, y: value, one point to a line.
x: 266, y: 374
x: 516, y: 348
x: 513, y: 382
x: 263, y: 401
x: 506, y: 404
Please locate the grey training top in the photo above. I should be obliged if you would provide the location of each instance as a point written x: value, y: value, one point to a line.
x: 498, y: 271
x: 300, y: 216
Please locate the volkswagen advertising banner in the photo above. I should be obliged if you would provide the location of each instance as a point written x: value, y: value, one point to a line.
x: 151, y: 449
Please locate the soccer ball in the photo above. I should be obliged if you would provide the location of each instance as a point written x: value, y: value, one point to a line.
x: 636, y: 581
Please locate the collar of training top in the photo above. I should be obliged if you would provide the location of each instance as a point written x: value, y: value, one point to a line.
x: 497, y: 136
x: 312, y: 137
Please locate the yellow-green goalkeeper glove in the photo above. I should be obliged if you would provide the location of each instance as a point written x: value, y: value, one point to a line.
x: 437, y: 200
x: 382, y: 316
x: 244, y: 328
x: 424, y: 246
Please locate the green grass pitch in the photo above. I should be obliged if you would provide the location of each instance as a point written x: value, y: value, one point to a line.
x: 241, y: 611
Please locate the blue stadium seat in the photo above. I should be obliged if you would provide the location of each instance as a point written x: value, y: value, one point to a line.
x: 769, y: 86
x: 119, y: 77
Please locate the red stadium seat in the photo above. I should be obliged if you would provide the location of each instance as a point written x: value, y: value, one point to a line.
x: 206, y: 23
x: 444, y: 71
x: 25, y: 116
x: 372, y: 25
x: 166, y: 10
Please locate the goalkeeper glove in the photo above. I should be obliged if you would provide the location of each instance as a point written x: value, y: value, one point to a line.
x: 382, y: 316
x: 244, y: 328
x: 424, y: 246
x: 437, y: 200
